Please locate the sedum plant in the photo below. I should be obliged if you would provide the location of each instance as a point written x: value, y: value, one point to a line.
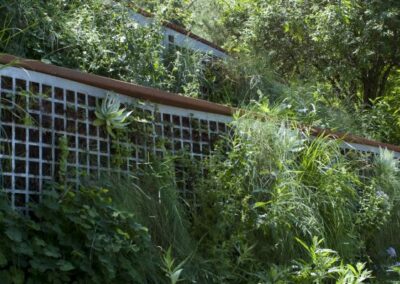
x: 111, y: 115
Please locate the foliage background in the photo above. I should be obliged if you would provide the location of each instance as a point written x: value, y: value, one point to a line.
x: 272, y: 202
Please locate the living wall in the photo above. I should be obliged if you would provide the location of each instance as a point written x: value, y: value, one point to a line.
x: 272, y: 205
x: 267, y: 210
x: 277, y: 188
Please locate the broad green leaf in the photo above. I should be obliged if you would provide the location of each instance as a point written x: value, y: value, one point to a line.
x: 3, y: 259
x: 17, y: 275
x: 65, y: 265
x: 51, y: 251
x: 14, y: 234
x: 174, y: 277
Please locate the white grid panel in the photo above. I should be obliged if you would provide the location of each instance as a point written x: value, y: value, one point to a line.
x: 30, y: 152
x: 365, y: 149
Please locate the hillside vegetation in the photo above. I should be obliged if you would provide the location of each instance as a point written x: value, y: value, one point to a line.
x: 269, y: 205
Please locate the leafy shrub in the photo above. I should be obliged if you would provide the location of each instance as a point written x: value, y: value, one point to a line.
x: 324, y: 265
x: 74, y: 237
x: 266, y: 186
x: 384, y: 115
x: 271, y: 186
x: 274, y: 186
x: 100, y: 37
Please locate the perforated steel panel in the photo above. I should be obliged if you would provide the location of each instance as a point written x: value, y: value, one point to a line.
x: 37, y: 110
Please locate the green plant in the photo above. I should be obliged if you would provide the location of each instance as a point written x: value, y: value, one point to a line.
x: 152, y: 195
x: 74, y: 238
x: 385, y: 193
x: 113, y: 44
x: 274, y: 184
x: 172, y: 271
x: 267, y: 183
x: 121, y: 150
x: 395, y: 269
x: 375, y: 210
x: 175, y: 11
x: 110, y: 115
x: 325, y: 264
x: 63, y: 159
x: 319, y: 41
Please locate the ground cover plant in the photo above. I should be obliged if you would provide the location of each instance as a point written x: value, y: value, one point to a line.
x: 73, y: 237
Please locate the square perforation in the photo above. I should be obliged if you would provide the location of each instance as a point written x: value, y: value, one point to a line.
x: 30, y: 154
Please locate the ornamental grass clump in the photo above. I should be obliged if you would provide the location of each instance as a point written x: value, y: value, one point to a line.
x: 283, y: 186
x: 382, y: 241
x: 276, y: 184
x: 153, y: 196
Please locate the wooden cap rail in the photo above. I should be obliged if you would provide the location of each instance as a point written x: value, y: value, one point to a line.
x: 315, y: 131
x: 124, y: 88
x: 163, y: 97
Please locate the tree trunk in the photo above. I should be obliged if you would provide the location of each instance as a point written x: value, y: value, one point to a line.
x: 374, y: 83
x: 370, y: 88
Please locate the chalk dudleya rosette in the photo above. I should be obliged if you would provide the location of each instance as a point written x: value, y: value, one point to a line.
x: 111, y: 115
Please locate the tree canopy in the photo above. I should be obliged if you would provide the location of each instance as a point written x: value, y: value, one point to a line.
x: 351, y: 44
